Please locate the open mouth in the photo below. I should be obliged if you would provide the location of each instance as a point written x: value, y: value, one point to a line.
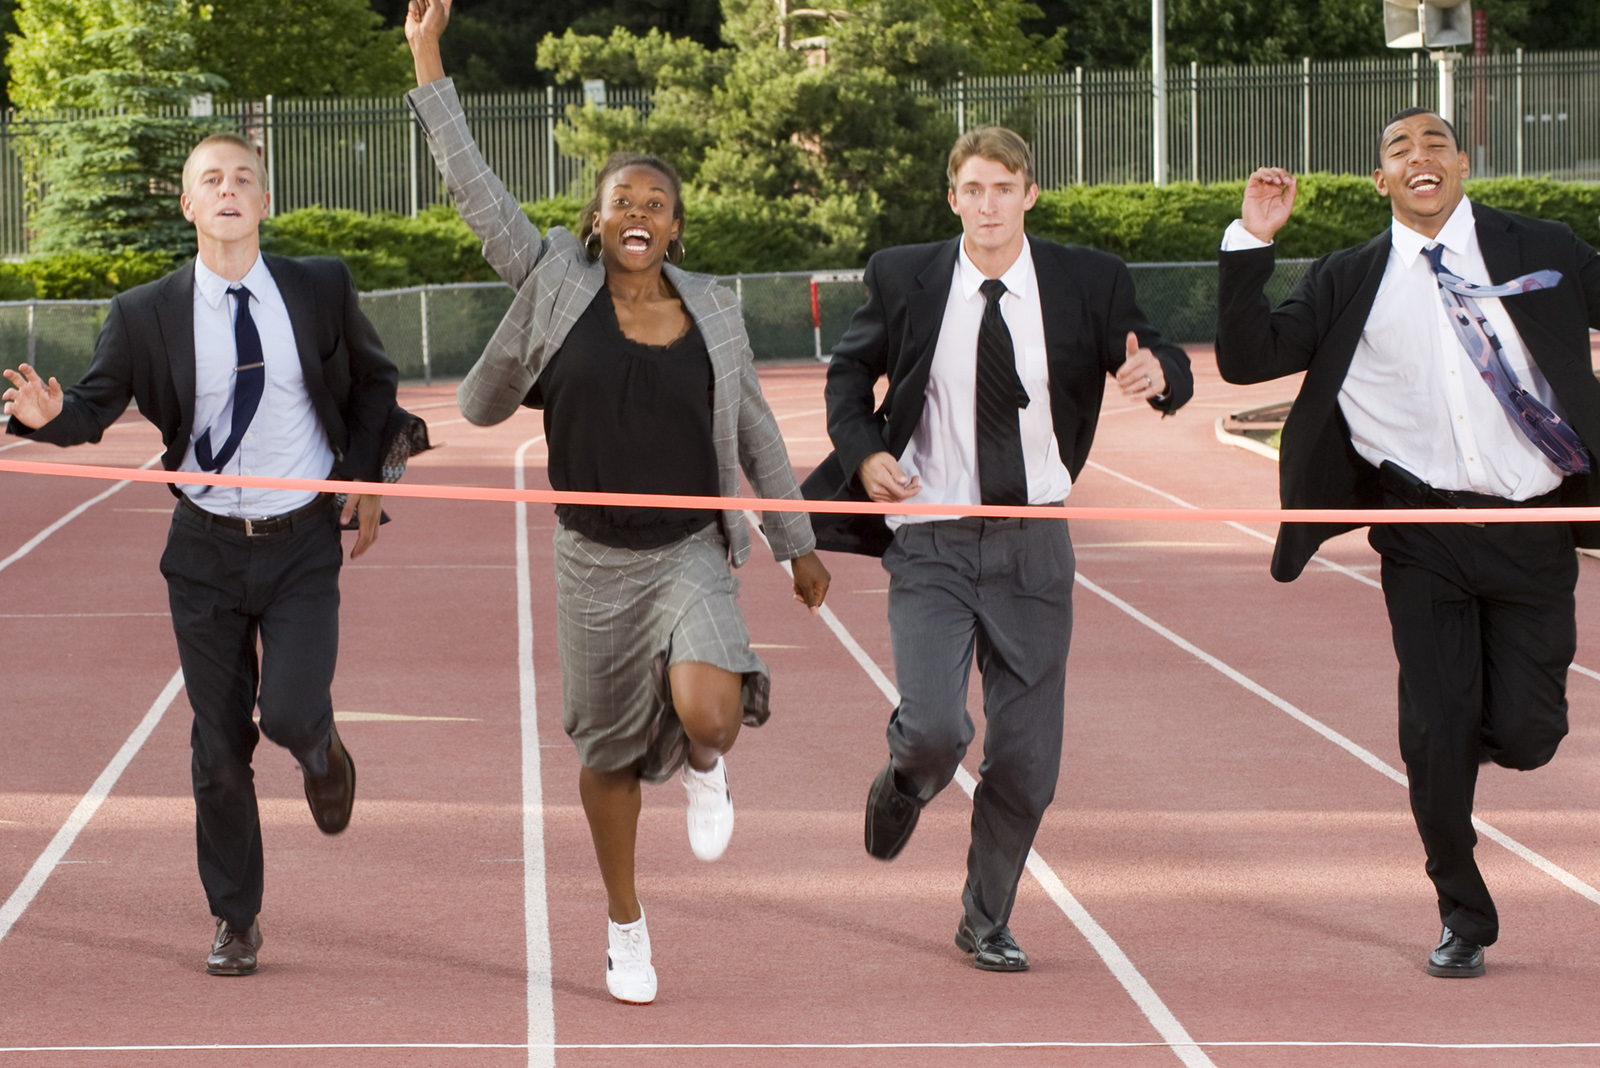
x: 636, y: 239
x: 228, y: 213
x: 1424, y: 183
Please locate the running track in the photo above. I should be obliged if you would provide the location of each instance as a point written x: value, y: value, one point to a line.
x: 1228, y: 876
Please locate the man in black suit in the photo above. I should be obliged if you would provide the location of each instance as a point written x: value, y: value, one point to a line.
x: 997, y: 349
x: 252, y: 365
x: 1447, y: 365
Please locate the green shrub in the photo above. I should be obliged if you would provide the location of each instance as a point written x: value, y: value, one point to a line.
x: 91, y: 275
x: 15, y: 283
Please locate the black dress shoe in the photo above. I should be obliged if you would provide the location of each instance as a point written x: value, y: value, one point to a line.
x: 333, y: 795
x: 997, y: 953
x: 1455, y: 957
x: 234, y: 952
x: 891, y: 816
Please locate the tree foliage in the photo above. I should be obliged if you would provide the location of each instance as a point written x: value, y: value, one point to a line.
x: 113, y: 179
x: 301, y: 48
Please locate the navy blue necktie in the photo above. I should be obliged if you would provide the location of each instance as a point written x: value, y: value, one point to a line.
x: 249, y: 377
x: 1549, y: 434
x: 1002, y: 473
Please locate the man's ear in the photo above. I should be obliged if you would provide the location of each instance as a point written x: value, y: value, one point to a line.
x: 188, y: 208
x: 950, y: 195
x: 1032, y: 197
x: 1379, y: 184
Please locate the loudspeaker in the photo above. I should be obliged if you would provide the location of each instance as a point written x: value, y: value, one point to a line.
x: 1427, y: 23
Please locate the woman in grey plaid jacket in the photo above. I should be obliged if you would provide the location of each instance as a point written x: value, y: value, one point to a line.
x: 644, y: 373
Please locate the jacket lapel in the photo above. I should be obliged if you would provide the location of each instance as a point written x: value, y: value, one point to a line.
x: 295, y: 288
x: 908, y: 378
x: 175, y: 319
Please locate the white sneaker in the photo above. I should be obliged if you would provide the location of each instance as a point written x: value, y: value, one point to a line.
x: 710, y: 810
x: 629, y: 975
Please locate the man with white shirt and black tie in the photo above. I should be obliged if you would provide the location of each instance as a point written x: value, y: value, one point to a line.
x: 997, y: 348
x: 249, y: 365
x: 1447, y: 366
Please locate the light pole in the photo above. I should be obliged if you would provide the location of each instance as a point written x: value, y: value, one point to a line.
x: 1158, y: 82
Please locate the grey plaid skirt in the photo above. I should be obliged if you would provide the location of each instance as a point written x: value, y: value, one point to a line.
x: 623, y: 617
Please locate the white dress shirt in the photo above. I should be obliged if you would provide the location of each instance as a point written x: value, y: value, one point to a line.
x: 1413, y: 396
x: 943, y: 450
x: 285, y: 439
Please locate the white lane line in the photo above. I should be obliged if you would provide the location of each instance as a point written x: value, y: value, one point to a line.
x: 83, y: 615
x: 1366, y: 756
x: 1142, y: 993
x: 14, y: 445
x: 84, y: 811
x: 797, y: 415
x: 34, y: 541
x: 535, y: 909
x: 1240, y: 527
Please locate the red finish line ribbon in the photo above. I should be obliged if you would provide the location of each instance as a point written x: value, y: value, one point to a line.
x: 769, y: 504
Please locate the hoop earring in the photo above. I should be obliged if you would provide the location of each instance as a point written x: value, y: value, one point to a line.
x: 675, y: 257
x: 591, y: 245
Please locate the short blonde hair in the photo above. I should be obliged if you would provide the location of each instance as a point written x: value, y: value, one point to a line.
x: 220, y: 139
x: 995, y: 143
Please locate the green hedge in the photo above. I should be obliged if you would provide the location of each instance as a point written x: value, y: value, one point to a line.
x: 730, y: 234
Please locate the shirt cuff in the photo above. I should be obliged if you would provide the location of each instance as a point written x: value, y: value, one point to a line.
x: 1236, y: 238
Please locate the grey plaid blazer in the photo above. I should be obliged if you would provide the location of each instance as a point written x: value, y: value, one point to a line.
x: 555, y: 281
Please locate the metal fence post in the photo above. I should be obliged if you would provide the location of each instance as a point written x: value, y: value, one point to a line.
x: 1158, y: 91
x: 1305, y: 114
x: 411, y: 147
x: 1194, y: 120
x: 961, y: 103
x: 32, y: 336
x: 1521, y: 121
x: 272, y: 155
x: 427, y: 360
x: 1078, y: 124
x: 549, y: 140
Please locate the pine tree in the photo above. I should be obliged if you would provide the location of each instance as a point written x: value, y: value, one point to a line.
x: 113, y: 179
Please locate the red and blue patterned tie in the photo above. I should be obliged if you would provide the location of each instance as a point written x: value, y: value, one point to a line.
x: 1548, y: 432
x: 249, y: 377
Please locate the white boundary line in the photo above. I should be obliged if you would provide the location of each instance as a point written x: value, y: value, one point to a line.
x: 84, y: 811
x: 1366, y: 756
x: 1143, y: 994
x: 535, y: 909
x: 33, y: 542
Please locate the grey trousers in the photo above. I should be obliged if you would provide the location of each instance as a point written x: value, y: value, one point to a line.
x: 1000, y: 588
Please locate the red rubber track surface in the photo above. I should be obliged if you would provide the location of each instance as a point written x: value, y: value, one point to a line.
x: 1263, y: 881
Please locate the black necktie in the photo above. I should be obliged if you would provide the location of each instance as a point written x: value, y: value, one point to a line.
x: 1002, y: 475
x: 249, y: 376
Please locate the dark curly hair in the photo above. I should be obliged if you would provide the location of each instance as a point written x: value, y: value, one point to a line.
x: 619, y: 161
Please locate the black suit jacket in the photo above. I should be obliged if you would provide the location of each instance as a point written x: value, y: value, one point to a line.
x: 145, y: 353
x: 1316, y: 331
x: 1088, y: 304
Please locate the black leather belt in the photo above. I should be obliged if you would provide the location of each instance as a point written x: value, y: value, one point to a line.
x: 256, y: 528
x: 1415, y: 493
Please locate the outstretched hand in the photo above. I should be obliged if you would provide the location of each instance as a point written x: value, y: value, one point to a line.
x: 810, y: 581
x: 1141, y: 376
x: 1268, y: 200
x: 425, y: 22
x: 32, y: 400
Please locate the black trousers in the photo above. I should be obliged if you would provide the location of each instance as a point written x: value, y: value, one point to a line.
x: 1484, y: 629
x: 227, y: 590
x: 1000, y: 590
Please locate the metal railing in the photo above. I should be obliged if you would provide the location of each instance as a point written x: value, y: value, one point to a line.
x: 439, y: 331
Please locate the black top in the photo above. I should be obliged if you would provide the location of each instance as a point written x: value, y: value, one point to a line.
x: 621, y: 416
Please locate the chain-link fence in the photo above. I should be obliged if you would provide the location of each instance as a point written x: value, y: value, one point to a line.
x: 438, y: 331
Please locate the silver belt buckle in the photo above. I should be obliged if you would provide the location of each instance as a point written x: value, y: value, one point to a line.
x: 249, y: 529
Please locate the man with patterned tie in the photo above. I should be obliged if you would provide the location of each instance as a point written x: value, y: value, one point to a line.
x: 249, y: 365
x: 997, y: 348
x: 1447, y: 366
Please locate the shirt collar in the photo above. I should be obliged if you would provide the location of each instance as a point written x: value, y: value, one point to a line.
x: 1018, y: 278
x: 213, y: 288
x: 1457, y: 235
